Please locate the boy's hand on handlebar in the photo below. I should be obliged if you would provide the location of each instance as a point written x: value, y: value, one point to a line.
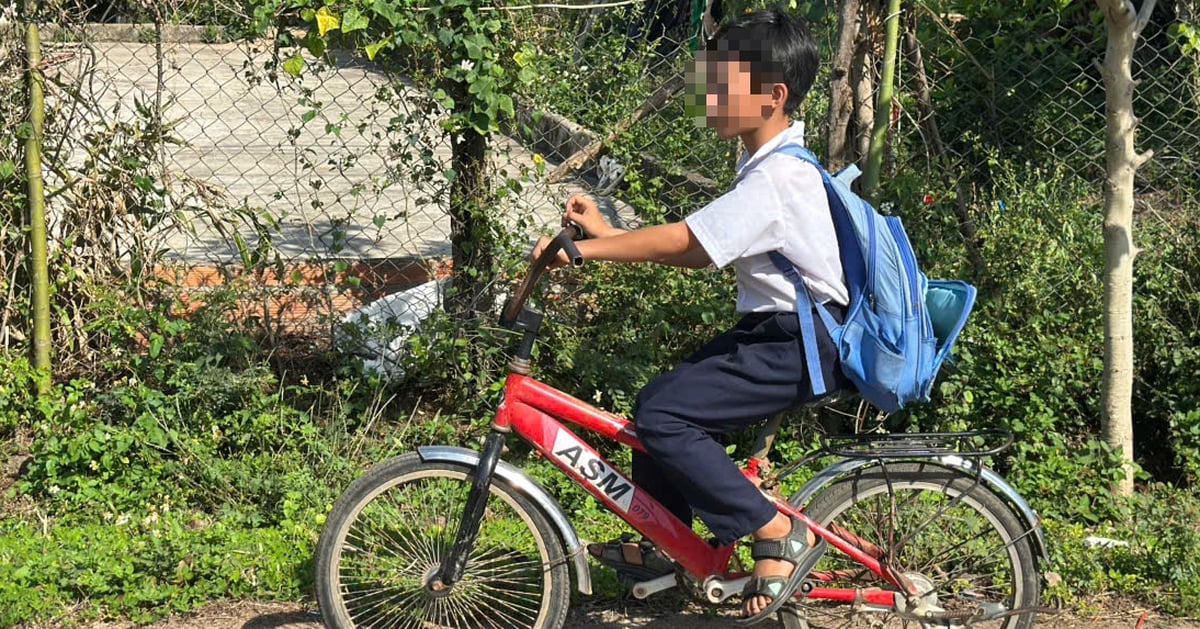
x: 560, y: 260
x: 583, y: 211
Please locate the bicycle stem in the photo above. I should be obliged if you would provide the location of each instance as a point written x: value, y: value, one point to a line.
x: 468, y: 528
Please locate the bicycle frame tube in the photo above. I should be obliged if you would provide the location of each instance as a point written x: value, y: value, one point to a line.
x: 533, y: 411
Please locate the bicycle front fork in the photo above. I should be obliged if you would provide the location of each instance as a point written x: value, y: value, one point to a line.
x: 468, y: 528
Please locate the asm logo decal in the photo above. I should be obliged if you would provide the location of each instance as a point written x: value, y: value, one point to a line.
x: 594, y: 470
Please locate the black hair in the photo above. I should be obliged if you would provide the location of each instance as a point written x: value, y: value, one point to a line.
x: 779, y: 48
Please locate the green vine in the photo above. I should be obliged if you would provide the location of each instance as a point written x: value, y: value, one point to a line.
x: 442, y: 45
x: 462, y: 56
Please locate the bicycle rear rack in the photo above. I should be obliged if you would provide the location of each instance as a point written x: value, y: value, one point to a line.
x: 971, y: 444
x: 871, y: 442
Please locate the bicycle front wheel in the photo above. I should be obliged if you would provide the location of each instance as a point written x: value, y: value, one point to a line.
x: 961, y: 545
x: 385, y: 539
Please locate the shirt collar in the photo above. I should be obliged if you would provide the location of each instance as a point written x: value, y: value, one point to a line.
x: 794, y: 134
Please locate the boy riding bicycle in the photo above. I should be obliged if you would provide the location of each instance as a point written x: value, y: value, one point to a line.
x: 756, y: 72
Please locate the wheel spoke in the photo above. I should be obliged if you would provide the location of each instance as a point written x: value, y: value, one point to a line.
x: 393, y: 545
x: 946, y: 532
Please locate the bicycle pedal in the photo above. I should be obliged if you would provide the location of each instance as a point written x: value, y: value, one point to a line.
x: 645, y: 589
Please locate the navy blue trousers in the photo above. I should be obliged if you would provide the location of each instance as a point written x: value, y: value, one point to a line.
x: 741, y: 378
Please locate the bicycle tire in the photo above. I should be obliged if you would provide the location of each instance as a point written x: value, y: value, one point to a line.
x: 385, y: 536
x: 964, y: 542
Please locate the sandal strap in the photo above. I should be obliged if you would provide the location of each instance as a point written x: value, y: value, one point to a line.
x: 765, y: 586
x: 781, y: 595
x: 790, y: 547
x: 632, y: 553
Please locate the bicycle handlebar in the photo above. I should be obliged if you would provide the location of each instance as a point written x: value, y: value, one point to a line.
x: 563, y: 241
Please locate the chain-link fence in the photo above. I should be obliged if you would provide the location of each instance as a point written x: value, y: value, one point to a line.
x: 318, y: 185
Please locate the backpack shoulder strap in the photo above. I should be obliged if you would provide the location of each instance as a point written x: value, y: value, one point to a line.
x: 802, y: 152
x: 808, y: 329
x: 847, y: 175
x: 805, y: 304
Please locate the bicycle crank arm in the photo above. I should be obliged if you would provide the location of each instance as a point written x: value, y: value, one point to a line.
x: 718, y: 590
x: 647, y: 588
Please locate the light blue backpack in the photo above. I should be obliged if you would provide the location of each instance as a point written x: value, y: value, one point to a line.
x: 899, y: 326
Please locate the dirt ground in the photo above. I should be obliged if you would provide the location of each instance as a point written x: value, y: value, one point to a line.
x: 255, y: 615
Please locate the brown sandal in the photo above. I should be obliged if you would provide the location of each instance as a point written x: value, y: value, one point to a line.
x: 634, y: 561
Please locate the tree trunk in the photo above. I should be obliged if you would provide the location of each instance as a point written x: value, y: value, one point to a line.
x: 912, y: 52
x: 862, y: 73
x: 1124, y: 25
x: 841, y: 95
x: 471, y: 234
x: 39, y: 272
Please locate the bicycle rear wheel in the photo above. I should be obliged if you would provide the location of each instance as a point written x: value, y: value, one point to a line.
x: 958, y: 542
x: 385, y: 540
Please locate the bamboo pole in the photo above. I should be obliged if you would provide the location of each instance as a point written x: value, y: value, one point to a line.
x: 883, y: 111
x: 39, y: 271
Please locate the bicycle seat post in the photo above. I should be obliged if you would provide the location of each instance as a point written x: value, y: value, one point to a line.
x: 762, y: 446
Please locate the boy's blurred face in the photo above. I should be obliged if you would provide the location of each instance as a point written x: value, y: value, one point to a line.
x: 732, y: 104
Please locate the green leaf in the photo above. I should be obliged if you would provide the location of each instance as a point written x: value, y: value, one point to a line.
x: 315, y: 45
x: 386, y: 10
x: 373, y: 49
x: 354, y: 20
x: 294, y: 66
x: 474, y: 48
x: 156, y: 344
x: 7, y: 169
x: 524, y: 56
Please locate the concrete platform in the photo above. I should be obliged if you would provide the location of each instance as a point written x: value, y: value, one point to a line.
x: 318, y: 159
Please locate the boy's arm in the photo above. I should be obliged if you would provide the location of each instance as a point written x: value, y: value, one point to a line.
x: 672, y: 244
x: 695, y: 258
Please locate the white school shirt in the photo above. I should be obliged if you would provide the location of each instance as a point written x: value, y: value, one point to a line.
x: 777, y: 203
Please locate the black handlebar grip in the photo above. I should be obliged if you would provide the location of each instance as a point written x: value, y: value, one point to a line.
x: 568, y: 246
x: 575, y: 231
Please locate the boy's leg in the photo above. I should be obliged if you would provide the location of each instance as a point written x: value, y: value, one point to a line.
x: 760, y: 374
x: 651, y: 477
x: 647, y: 473
x: 748, y: 374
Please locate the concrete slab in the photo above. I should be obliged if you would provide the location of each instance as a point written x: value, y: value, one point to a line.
x: 318, y: 157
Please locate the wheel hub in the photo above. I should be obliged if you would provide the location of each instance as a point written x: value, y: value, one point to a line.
x: 918, y: 606
x: 432, y: 582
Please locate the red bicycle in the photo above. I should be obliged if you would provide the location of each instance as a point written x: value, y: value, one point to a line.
x: 925, y: 535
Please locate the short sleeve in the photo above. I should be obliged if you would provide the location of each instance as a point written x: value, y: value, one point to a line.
x: 748, y: 220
